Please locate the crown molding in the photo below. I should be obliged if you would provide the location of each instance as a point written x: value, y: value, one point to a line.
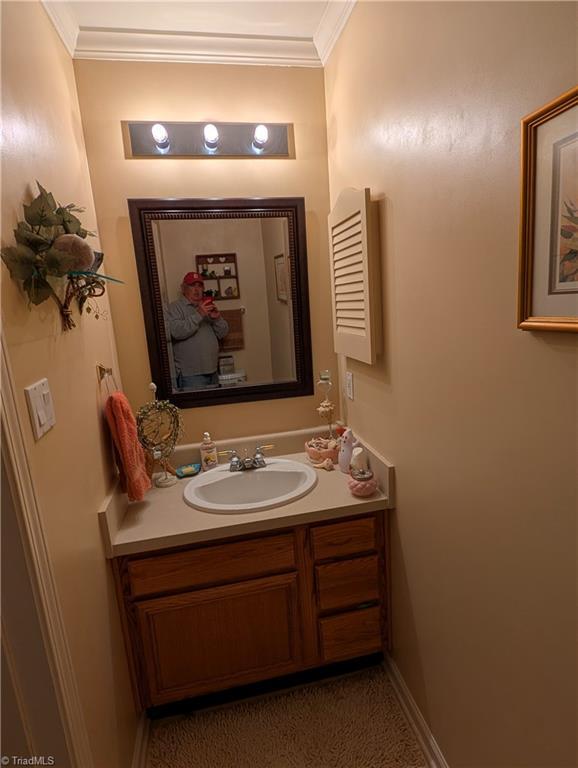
x: 331, y: 26
x: 143, y: 45
x: 138, y: 45
x: 64, y: 23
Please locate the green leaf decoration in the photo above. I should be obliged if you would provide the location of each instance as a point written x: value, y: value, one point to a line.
x: 41, y: 211
x: 25, y: 235
x: 71, y: 224
x: 36, y: 214
x: 52, y: 232
x: 58, y: 263
x: 73, y: 207
x: 48, y: 197
x: 37, y: 288
x: 34, y: 258
x: 20, y: 261
x: 572, y: 219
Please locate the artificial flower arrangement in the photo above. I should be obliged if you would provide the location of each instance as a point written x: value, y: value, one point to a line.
x: 52, y: 259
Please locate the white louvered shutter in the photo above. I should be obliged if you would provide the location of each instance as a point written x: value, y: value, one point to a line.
x: 355, y: 276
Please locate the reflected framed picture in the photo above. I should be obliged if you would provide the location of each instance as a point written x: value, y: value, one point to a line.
x: 281, y: 277
x: 548, y: 269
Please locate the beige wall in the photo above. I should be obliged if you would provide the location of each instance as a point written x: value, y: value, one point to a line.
x: 276, y: 243
x: 423, y: 106
x: 43, y: 140
x: 113, y: 91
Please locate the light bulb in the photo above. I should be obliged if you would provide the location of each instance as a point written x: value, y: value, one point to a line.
x: 211, y: 135
x: 261, y: 136
x: 160, y: 135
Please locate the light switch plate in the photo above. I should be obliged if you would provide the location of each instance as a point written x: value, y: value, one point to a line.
x: 40, y: 407
x: 349, y: 384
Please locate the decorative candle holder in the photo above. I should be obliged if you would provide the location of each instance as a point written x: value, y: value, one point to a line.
x: 326, y: 409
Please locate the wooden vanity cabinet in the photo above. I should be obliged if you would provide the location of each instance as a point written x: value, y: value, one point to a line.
x: 213, y: 616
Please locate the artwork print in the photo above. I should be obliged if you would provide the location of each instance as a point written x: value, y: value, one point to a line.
x: 281, y: 277
x: 548, y: 264
x: 564, y: 219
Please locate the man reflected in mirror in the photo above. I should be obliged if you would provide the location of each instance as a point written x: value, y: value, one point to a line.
x: 196, y: 326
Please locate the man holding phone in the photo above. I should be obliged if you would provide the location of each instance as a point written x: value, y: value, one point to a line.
x: 196, y: 326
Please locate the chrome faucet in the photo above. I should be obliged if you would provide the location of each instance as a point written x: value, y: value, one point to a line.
x: 238, y: 464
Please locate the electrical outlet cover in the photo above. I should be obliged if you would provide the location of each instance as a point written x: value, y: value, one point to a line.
x: 349, y: 384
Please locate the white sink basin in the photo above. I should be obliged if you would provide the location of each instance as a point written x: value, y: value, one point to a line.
x: 279, y: 482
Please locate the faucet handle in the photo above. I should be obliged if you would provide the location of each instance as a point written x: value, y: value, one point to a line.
x: 235, y: 461
x: 261, y: 448
x: 258, y: 458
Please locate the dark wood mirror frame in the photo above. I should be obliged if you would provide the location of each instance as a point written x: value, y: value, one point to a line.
x: 143, y: 212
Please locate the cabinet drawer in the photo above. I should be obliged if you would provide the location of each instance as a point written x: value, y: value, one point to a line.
x: 347, y: 583
x: 218, y: 563
x: 340, y: 539
x: 350, y: 634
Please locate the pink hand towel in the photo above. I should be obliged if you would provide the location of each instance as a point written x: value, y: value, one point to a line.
x: 130, y: 454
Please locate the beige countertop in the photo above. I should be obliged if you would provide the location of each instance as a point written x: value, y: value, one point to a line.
x: 165, y: 520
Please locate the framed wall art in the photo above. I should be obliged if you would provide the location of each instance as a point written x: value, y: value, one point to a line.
x: 548, y: 272
x: 281, y: 277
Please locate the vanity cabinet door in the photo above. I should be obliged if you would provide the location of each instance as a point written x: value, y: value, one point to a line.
x: 217, y: 638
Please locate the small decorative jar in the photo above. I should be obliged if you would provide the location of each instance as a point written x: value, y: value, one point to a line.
x: 362, y: 482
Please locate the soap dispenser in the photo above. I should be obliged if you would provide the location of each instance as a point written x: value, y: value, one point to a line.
x: 208, y: 452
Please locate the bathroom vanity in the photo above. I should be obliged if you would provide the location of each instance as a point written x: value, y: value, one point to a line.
x: 250, y: 597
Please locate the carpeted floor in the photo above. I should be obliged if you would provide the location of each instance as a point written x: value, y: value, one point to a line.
x: 349, y: 722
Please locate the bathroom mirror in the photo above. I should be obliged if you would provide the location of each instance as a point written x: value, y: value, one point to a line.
x: 225, y: 298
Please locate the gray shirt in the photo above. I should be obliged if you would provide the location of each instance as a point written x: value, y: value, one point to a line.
x: 195, y: 338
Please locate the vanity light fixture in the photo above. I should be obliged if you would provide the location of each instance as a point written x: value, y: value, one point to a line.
x: 161, y: 137
x: 211, y: 135
x: 172, y: 140
x: 260, y: 137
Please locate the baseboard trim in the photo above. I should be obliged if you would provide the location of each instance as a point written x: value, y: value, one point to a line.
x: 422, y: 731
x: 139, y: 759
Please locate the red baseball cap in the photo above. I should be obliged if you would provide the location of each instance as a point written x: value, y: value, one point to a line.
x: 193, y: 277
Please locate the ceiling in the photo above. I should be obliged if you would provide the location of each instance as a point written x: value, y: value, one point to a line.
x: 272, y: 32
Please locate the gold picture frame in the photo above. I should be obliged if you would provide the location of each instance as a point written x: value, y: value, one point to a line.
x: 548, y: 266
